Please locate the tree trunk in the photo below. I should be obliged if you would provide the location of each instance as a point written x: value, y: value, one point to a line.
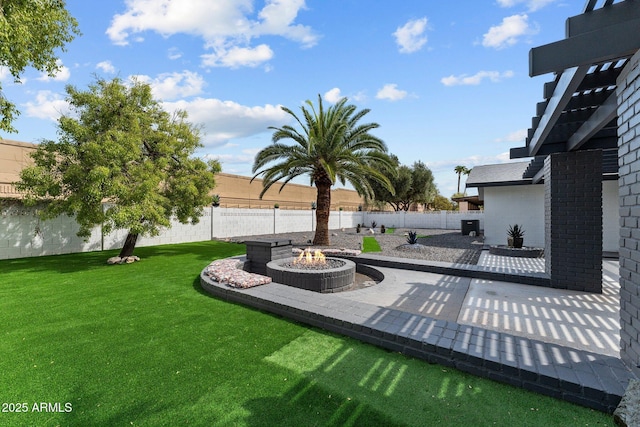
x: 323, y: 205
x: 129, y: 245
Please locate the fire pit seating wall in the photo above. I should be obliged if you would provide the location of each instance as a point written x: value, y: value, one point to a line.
x: 261, y: 252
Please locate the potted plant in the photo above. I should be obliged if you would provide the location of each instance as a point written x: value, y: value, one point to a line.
x: 515, y: 237
x: 215, y: 200
x: 276, y: 206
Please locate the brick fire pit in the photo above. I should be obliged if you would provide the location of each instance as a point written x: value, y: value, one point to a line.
x: 325, y: 281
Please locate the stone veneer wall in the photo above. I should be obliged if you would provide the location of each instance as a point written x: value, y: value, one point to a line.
x: 573, y: 220
x: 628, y: 92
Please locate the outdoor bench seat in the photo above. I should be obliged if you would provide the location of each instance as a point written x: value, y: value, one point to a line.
x: 228, y: 271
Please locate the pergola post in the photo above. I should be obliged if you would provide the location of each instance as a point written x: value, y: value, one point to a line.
x: 573, y: 220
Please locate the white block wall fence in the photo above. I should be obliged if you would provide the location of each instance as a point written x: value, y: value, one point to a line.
x: 23, y: 235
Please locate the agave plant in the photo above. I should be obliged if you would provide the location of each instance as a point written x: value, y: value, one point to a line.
x: 516, y: 236
x: 412, y: 238
x: 515, y: 231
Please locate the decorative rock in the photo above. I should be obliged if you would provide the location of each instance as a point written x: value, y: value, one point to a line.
x: 125, y: 260
x: 371, y: 231
x: 627, y: 414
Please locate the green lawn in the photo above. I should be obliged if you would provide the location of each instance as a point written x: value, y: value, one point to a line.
x: 142, y: 345
x: 370, y: 244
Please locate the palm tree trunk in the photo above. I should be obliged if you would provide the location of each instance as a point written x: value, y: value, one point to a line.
x: 459, y: 175
x: 323, y: 205
x: 129, y: 245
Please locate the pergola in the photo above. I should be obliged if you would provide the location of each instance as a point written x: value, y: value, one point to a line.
x: 573, y: 137
x: 579, y: 111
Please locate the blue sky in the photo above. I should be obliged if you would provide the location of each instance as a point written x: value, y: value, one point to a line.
x: 447, y: 81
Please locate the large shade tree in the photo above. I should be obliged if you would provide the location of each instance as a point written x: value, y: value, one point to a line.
x: 30, y: 33
x: 122, y: 162
x: 330, y: 146
x: 412, y: 185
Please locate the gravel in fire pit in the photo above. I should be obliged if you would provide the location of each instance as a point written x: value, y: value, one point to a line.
x: 329, y: 264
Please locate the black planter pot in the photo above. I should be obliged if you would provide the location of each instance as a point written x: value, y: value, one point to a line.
x: 515, y: 242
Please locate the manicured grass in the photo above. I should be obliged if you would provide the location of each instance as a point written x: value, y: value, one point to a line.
x: 143, y: 345
x: 370, y: 244
x: 390, y: 230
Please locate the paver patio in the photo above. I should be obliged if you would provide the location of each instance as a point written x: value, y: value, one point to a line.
x: 486, y: 327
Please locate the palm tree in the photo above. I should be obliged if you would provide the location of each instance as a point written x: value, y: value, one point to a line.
x: 331, y: 146
x: 461, y: 170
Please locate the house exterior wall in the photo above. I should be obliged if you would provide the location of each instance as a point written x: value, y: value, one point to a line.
x: 524, y: 204
x: 628, y: 92
x: 235, y: 191
x: 14, y: 156
x: 515, y: 204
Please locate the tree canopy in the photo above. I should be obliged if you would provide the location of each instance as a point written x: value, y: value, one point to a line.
x: 412, y: 185
x: 330, y: 146
x: 30, y: 33
x: 120, y: 148
x: 441, y: 203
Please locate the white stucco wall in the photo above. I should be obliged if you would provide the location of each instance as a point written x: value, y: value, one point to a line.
x: 524, y: 205
x: 516, y: 204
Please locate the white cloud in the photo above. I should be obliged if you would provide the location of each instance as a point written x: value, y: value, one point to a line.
x: 391, y: 92
x: 47, y: 105
x: 447, y: 179
x: 225, y: 120
x: 106, y: 67
x: 517, y: 136
x: 61, y: 75
x: 245, y: 156
x: 4, y: 72
x: 235, y: 56
x: 410, y: 37
x: 174, y: 85
x: 508, y: 32
x: 174, y: 53
x: 475, y: 79
x: 333, y: 95
x: 532, y: 5
x: 226, y: 26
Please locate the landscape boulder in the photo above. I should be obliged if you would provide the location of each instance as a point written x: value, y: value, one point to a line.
x: 627, y: 414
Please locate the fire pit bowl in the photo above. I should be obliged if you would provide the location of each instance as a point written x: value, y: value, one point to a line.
x: 338, y: 276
